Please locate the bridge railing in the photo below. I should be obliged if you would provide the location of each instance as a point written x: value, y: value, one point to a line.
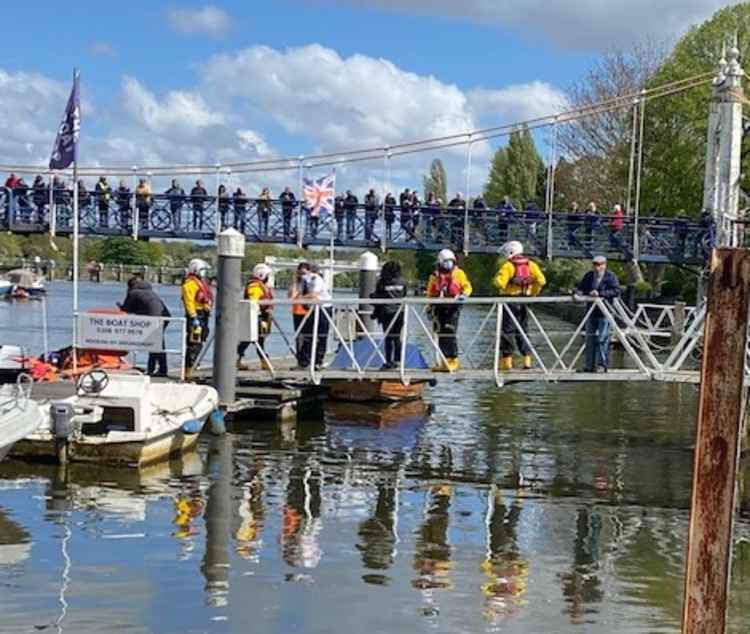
x: 488, y: 329
x: 369, y: 226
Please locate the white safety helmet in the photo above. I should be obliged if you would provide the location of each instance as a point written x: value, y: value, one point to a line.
x: 262, y: 271
x: 511, y: 249
x: 199, y: 267
x: 445, y: 255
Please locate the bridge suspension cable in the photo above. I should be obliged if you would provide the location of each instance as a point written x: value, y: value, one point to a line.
x: 355, y: 155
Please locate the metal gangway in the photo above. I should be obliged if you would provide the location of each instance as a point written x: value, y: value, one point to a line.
x: 652, y: 344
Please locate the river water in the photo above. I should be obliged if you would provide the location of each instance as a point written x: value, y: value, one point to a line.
x: 536, y: 508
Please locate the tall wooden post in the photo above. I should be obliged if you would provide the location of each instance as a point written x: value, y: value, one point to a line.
x: 720, y: 412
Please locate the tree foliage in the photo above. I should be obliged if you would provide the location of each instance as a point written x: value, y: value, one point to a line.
x: 514, y: 171
x: 676, y: 126
x: 436, y: 182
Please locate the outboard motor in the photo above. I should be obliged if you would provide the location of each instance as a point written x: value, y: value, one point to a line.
x: 63, y: 427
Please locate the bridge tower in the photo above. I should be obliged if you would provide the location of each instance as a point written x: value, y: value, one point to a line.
x: 721, y: 192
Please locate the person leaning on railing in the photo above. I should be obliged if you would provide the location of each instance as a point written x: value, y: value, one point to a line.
x: 314, y: 287
x: 298, y: 310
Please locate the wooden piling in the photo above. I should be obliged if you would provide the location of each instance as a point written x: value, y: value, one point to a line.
x: 720, y: 412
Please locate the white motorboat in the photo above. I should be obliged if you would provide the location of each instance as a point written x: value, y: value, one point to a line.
x: 19, y: 414
x: 26, y: 283
x: 120, y: 418
x: 5, y: 289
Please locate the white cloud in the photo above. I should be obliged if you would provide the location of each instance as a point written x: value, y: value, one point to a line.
x: 209, y: 20
x: 584, y: 24
x: 242, y: 98
x: 100, y: 48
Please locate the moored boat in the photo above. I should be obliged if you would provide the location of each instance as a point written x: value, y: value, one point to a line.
x: 26, y: 283
x: 5, y: 289
x: 120, y: 418
x: 19, y: 414
x: 376, y: 391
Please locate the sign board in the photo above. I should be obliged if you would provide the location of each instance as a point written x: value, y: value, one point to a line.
x: 133, y: 333
x: 249, y: 313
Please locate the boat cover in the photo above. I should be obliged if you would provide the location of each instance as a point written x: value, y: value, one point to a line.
x: 365, y: 353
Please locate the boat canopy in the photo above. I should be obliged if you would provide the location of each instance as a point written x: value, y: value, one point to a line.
x: 22, y: 277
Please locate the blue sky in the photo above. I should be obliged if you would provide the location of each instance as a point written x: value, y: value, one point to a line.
x: 190, y: 82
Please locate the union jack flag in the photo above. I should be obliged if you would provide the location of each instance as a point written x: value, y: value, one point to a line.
x: 319, y: 194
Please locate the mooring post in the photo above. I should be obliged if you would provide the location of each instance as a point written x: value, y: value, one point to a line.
x: 720, y: 412
x: 678, y: 325
x: 368, y: 279
x: 231, y: 249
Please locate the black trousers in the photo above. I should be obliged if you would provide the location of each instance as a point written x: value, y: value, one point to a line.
x: 307, y: 340
x: 193, y: 348
x: 445, y: 325
x: 297, y: 320
x: 511, y: 332
x: 393, y: 339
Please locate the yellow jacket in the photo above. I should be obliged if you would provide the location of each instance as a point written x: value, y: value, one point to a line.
x: 459, y: 278
x: 190, y: 289
x: 502, y: 280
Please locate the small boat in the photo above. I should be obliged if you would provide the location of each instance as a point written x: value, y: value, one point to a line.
x: 375, y: 391
x: 6, y: 287
x: 120, y: 418
x: 26, y: 284
x: 19, y: 414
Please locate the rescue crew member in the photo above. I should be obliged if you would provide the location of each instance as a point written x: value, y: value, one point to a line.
x: 257, y: 290
x: 518, y: 277
x: 447, y: 282
x: 198, y: 299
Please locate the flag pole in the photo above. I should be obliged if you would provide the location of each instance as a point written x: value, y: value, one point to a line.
x: 333, y: 227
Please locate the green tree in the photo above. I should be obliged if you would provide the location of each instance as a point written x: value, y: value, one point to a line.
x: 121, y: 250
x: 437, y: 181
x: 675, y: 128
x: 514, y: 170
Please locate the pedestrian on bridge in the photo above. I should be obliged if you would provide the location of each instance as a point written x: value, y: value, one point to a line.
x: 176, y: 197
x: 603, y: 284
x: 288, y: 202
x: 447, y: 282
x: 124, y: 198
x: 103, y: 195
x: 350, y: 206
x: 258, y: 289
x: 518, y: 276
x: 143, y: 202
x: 198, y: 198
x: 372, y: 206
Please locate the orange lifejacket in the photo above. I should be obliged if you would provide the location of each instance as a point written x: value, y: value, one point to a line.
x: 522, y: 276
x: 444, y: 285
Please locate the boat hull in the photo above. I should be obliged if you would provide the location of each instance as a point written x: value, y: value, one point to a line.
x: 376, y: 391
x: 136, y: 453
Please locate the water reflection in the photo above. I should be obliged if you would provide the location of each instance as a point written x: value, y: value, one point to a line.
x: 15, y: 543
x: 302, y: 523
x: 581, y: 585
x: 506, y: 571
x: 378, y: 534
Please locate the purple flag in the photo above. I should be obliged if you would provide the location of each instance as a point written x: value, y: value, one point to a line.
x: 65, y: 150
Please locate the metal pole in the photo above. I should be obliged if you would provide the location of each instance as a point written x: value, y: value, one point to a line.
x: 75, y: 237
x: 386, y: 184
x: 368, y: 278
x: 717, y: 448
x: 231, y: 250
x: 468, y: 196
x: 134, y: 212
x: 636, y: 241
x: 631, y: 168
x: 217, y: 217
x: 551, y: 190
x: 301, y: 201
x: 52, y: 206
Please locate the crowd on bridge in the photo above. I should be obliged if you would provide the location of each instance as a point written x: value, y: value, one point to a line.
x: 406, y: 218
x: 517, y: 276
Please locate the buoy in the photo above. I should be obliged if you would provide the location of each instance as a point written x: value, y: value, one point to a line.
x: 192, y: 426
x: 217, y: 426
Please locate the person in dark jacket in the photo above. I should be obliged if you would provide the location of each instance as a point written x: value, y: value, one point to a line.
x: 601, y: 283
x: 176, y: 197
x: 240, y: 202
x: 143, y: 300
x: 391, y: 285
x: 124, y: 199
x: 372, y: 206
x: 288, y: 202
x: 40, y: 197
x: 350, y: 207
x: 198, y: 198
x: 389, y: 214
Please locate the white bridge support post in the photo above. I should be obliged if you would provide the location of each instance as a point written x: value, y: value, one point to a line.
x: 721, y: 191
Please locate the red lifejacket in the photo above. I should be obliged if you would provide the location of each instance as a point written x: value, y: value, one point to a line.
x: 522, y: 276
x: 204, y: 295
x: 444, y: 285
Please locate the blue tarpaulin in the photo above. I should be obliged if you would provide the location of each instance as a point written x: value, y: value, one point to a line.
x: 365, y: 353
